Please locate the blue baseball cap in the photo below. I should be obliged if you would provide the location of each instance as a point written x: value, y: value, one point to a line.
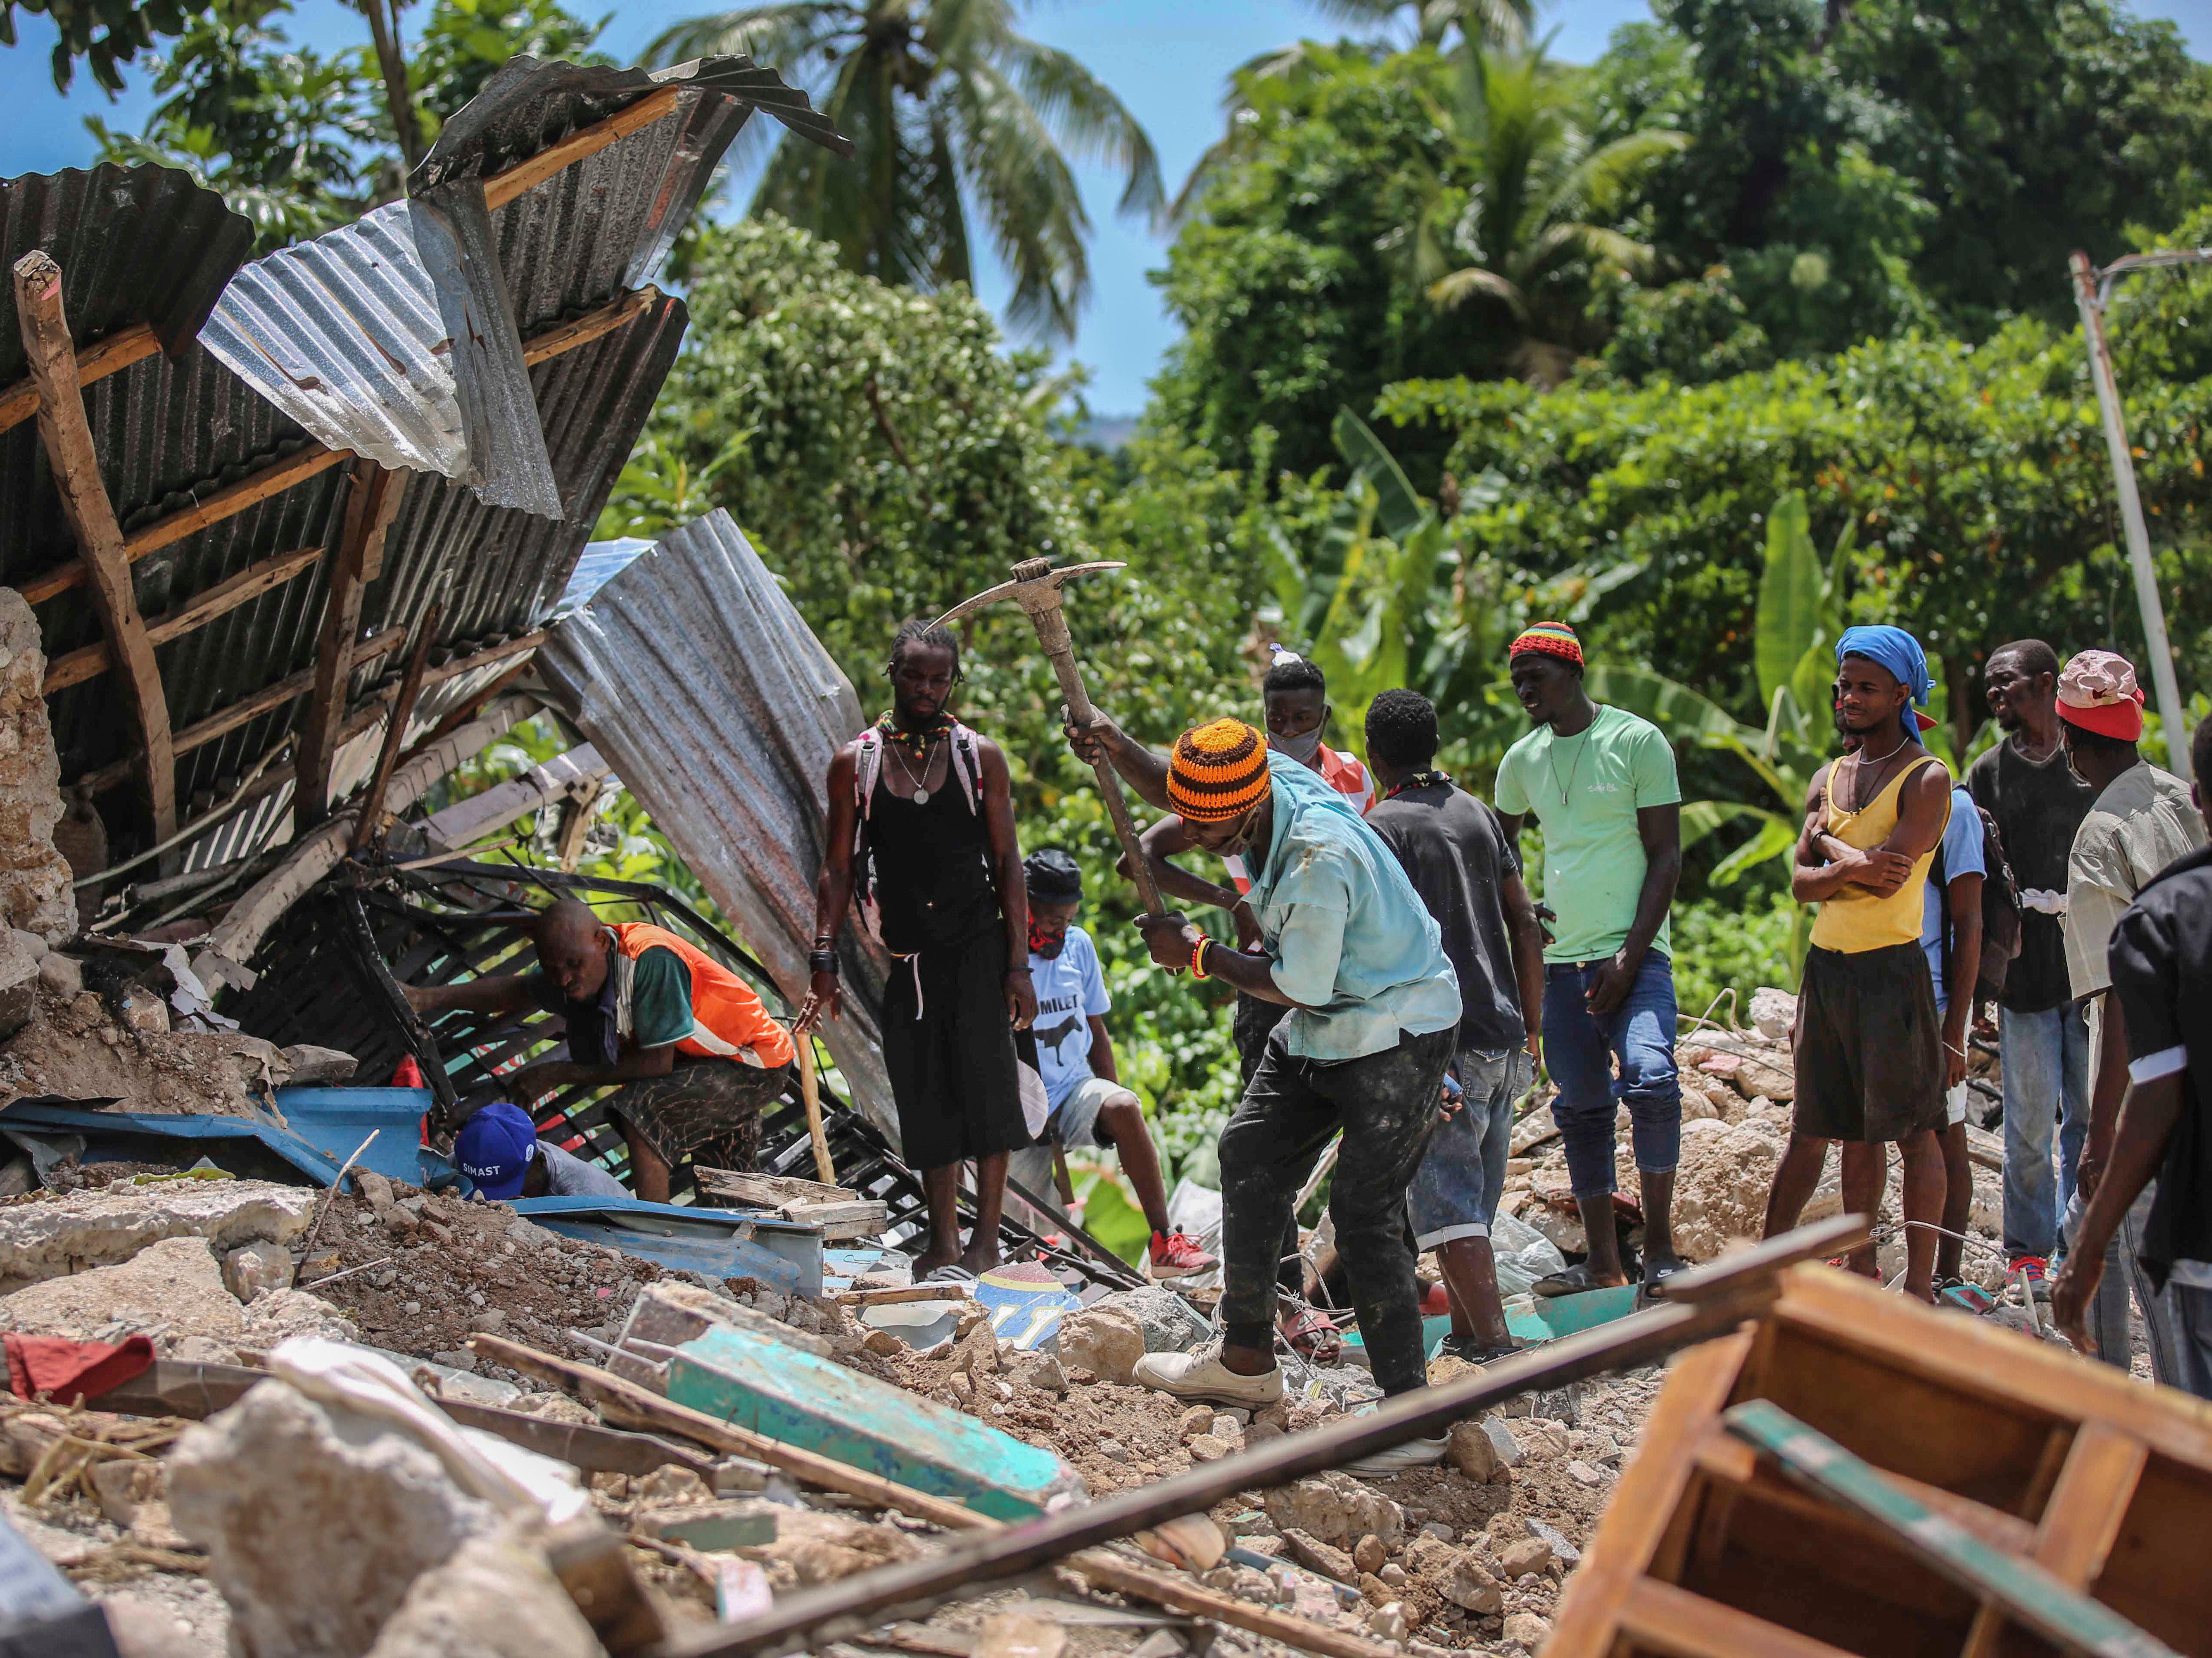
x: 494, y: 1149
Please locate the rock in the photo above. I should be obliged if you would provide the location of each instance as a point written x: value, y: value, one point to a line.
x: 1527, y: 1629
x: 1529, y: 1554
x: 1721, y: 1185
x: 1170, y: 1324
x: 1334, y: 1508
x: 1560, y: 1403
x: 281, y: 1314
x: 19, y: 980
x: 1208, y: 1449
x: 316, y: 1519
x: 1756, y: 1078
x: 106, y: 1226
x: 1387, y: 1622
x: 1506, y: 1526
x: 883, y: 1344
x: 1197, y: 1420
x: 1562, y: 1551
x: 1043, y: 1371
x: 1469, y: 1586
x: 17, y: 1176
x: 488, y: 1323
x: 557, y: 1407
x: 1314, y: 1555
x: 145, y: 1011
x: 124, y: 1486
x: 1582, y: 1473
x: 496, y: 1599
x: 1113, y: 1450
x: 254, y: 1269
x: 1775, y: 1012
x: 1501, y: 1439
x: 1472, y: 1452
x: 1108, y: 1341
x: 313, y: 1068
x: 1368, y: 1554
x: 34, y: 879
x: 171, y: 1287
x: 1533, y: 1131
x: 377, y: 1191
x: 669, y: 1487
x: 63, y: 974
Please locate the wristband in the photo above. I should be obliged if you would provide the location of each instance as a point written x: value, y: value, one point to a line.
x: 823, y: 961
x: 1198, y: 957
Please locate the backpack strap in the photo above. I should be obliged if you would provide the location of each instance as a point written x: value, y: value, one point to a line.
x: 867, y: 767
x: 968, y: 765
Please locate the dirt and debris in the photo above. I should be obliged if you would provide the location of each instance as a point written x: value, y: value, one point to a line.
x: 82, y: 1046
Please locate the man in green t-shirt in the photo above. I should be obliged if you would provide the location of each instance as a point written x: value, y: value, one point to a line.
x: 1601, y: 782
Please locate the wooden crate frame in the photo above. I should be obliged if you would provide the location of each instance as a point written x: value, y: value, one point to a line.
x: 1707, y: 1552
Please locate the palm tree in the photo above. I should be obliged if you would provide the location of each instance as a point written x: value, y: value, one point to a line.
x: 1480, y: 22
x: 1539, y: 189
x: 948, y: 107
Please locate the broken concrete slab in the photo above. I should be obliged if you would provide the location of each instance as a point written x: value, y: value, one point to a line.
x: 1171, y: 1324
x: 106, y: 1225
x: 1336, y: 1509
x: 19, y: 980
x: 34, y: 877
x: 254, y: 1269
x: 314, y: 1067
x: 496, y: 1599
x: 172, y: 1287
x: 1107, y: 1341
x: 815, y: 1404
x: 316, y: 1519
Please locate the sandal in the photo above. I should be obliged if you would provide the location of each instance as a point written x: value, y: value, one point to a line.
x: 1468, y: 1351
x: 1577, y: 1280
x: 1654, y: 1287
x: 1313, y: 1336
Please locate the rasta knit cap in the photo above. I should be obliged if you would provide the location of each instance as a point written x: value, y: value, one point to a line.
x: 1550, y: 639
x: 1219, y: 772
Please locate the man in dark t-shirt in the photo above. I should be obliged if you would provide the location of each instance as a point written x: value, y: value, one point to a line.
x: 1456, y: 854
x: 2160, y: 958
x: 2025, y: 785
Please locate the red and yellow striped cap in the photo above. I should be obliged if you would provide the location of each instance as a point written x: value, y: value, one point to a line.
x: 1219, y: 772
x: 1552, y: 638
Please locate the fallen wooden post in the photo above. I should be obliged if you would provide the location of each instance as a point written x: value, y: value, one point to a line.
x: 1707, y: 1302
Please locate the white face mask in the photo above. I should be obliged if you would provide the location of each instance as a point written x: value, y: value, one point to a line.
x: 1303, y: 750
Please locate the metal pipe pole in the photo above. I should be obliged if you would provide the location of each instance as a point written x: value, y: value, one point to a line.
x: 2171, y: 711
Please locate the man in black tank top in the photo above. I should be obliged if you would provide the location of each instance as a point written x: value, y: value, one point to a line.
x: 932, y: 843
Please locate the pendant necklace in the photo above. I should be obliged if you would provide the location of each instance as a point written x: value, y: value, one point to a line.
x: 920, y: 795
x: 1573, y: 771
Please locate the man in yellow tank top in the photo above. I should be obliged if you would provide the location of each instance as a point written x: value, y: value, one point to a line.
x: 1868, y: 1041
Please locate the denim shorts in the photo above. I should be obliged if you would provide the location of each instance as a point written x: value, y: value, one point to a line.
x: 1455, y: 1190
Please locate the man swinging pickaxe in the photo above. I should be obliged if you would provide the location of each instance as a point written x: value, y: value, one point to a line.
x: 1036, y: 588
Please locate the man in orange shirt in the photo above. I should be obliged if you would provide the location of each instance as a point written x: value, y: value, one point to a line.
x: 692, y: 1056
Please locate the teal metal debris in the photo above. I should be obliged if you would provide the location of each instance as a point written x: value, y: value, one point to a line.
x: 820, y: 1405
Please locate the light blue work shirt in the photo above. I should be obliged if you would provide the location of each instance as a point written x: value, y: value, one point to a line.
x: 1353, y: 942
x: 1962, y: 855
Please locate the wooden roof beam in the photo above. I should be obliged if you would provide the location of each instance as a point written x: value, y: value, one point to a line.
x: 95, y: 363
x: 67, y: 435
x: 501, y: 188
x: 372, y: 502
x: 307, y: 462
x: 92, y: 660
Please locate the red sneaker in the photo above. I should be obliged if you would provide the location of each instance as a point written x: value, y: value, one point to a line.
x: 2037, y: 1271
x: 1176, y: 1255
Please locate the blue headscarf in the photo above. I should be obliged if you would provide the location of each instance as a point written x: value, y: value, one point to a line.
x: 1897, y: 651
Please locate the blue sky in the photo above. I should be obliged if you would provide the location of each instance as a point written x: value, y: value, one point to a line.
x: 1167, y: 58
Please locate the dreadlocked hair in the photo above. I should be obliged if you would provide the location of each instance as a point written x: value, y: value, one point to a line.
x: 915, y: 631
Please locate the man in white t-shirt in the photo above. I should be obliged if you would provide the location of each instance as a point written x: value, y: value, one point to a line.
x: 1075, y: 1059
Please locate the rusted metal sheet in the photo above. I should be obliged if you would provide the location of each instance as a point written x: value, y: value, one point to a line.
x: 693, y: 673
x: 392, y: 336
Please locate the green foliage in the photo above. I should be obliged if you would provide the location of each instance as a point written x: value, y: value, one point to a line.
x: 952, y: 111
x: 1738, y: 942
x: 104, y: 34
x: 280, y: 132
x: 1690, y: 332
x: 464, y: 43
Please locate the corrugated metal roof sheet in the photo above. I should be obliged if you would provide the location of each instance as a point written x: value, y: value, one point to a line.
x: 135, y: 244
x: 693, y: 673
x: 393, y: 338
x: 601, y: 562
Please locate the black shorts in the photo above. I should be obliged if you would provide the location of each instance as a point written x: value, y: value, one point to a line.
x: 1869, y: 1045
x: 948, y: 1050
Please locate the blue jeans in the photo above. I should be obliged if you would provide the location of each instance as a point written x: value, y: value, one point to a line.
x: 1462, y: 1174
x: 1580, y: 1049
x: 2047, y: 1097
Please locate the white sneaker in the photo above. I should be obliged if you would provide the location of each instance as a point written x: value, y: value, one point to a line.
x: 1397, y: 1459
x: 1199, y: 1375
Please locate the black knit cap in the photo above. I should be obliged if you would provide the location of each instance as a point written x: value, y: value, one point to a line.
x: 1052, y: 874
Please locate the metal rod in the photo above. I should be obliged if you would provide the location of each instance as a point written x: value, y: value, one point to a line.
x: 200, y: 825
x: 2172, y: 714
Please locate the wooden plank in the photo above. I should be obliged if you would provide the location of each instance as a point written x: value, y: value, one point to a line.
x: 2090, y: 1503
x: 503, y: 187
x: 1665, y: 1619
x: 2031, y: 1595
x: 94, y: 362
x: 1722, y: 1456
x: 92, y: 660
x: 1643, y: 1503
x: 1180, y: 1594
x: 74, y: 462
x: 372, y: 502
x: 1987, y: 1363
x: 366, y: 825
x: 305, y: 463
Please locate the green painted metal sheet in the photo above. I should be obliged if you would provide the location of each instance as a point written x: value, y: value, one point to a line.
x: 820, y: 1406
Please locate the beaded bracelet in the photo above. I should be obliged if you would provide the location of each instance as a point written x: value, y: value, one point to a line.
x: 1198, y: 957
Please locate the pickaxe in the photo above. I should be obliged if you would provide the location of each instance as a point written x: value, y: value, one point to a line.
x: 1036, y: 588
